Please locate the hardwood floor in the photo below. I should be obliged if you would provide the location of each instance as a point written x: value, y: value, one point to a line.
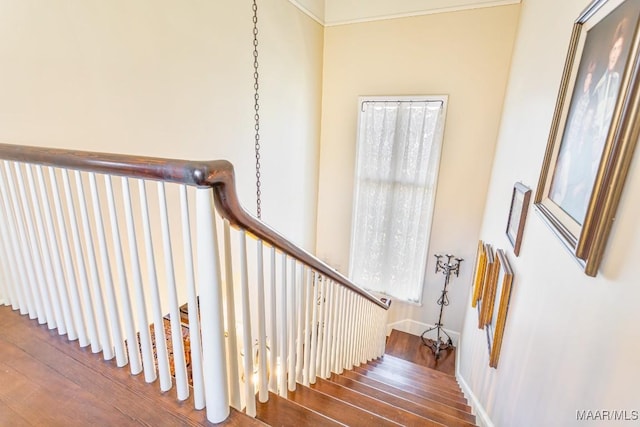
x: 410, y: 347
x: 48, y: 381
x: 45, y: 380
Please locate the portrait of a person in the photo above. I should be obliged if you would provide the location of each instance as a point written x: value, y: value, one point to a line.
x: 590, y: 113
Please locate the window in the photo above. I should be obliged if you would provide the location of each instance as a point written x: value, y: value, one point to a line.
x: 398, y: 154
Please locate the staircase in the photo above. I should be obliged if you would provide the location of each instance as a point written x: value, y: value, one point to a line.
x: 103, y: 248
x: 387, y: 392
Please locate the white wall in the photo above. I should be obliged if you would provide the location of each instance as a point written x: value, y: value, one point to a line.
x: 171, y: 79
x: 465, y: 55
x: 571, y: 342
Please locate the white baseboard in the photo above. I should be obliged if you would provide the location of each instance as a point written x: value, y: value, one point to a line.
x: 417, y: 328
x: 482, y: 418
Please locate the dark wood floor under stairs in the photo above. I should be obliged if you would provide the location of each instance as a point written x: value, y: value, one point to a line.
x: 48, y: 381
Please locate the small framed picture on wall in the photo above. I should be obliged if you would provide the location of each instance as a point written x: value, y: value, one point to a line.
x: 518, y: 215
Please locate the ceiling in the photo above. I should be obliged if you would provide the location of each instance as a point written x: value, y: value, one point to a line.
x: 337, y: 12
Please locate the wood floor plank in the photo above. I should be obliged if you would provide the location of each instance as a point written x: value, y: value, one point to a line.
x: 411, y: 348
x: 122, y: 399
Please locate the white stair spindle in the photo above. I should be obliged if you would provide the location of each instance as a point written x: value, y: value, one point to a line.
x: 162, y: 355
x: 247, y: 342
x: 133, y: 348
x: 179, y: 362
x: 215, y: 372
x: 192, y: 300
x: 146, y: 348
x: 263, y: 390
x: 70, y: 276
x: 19, y: 240
x: 96, y: 288
x: 334, y: 331
x: 90, y: 314
x: 308, y: 313
x: 232, y: 344
x: 112, y: 305
x: 282, y: 380
x: 300, y: 316
x: 10, y: 230
x: 38, y: 287
x: 11, y: 278
x: 315, y: 282
x: 292, y: 328
x: 321, y: 325
x: 328, y: 325
x: 45, y: 252
x: 273, y: 334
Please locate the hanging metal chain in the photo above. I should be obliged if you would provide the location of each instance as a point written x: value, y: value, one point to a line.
x: 256, y: 107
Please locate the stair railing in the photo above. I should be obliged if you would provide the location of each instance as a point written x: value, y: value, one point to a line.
x: 89, y: 247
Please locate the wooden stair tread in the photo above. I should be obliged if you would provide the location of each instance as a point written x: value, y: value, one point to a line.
x: 278, y: 411
x: 407, y: 394
x: 372, y: 404
x: 445, y: 388
x: 415, y: 367
x: 336, y: 409
x: 430, y: 410
x: 429, y: 393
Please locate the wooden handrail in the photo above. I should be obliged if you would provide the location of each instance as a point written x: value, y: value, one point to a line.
x: 216, y: 174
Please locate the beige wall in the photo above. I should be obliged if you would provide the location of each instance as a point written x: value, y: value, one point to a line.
x: 465, y: 55
x: 172, y: 79
x: 571, y: 342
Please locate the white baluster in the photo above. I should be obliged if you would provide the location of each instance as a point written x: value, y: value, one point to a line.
x: 247, y: 342
x: 162, y: 355
x: 43, y: 243
x: 232, y: 347
x: 114, y: 315
x: 10, y: 277
x: 135, y: 364
x: 315, y: 281
x: 193, y: 310
x: 321, y: 325
x: 263, y: 390
x: 308, y: 313
x: 19, y: 241
x: 292, y: 328
x: 334, y: 331
x: 213, y: 348
x: 70, y: 276
x: 273, y: 334
x: 300, y: 315
x: 87, y: 303
x: 15, y: 250
x: 326, y: 328
x: 148, y: 363
x: 282, y: 380
x: 179, y: 362
x: 32, y: 254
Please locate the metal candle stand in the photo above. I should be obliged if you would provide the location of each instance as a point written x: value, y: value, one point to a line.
x: 447, y: 268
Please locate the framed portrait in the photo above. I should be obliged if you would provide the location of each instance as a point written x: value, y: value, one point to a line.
x: 501, y: 294
x: 518, y: 215
x: 594, y: 130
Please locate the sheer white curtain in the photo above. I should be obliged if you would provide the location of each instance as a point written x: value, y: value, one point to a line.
x: 397, y: 167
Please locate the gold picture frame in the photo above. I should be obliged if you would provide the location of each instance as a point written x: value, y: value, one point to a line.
x: 478, y: 275
x: 485, y: 309
x: 501, y: 293
x: 518, y: 215
x: 594, y: 130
